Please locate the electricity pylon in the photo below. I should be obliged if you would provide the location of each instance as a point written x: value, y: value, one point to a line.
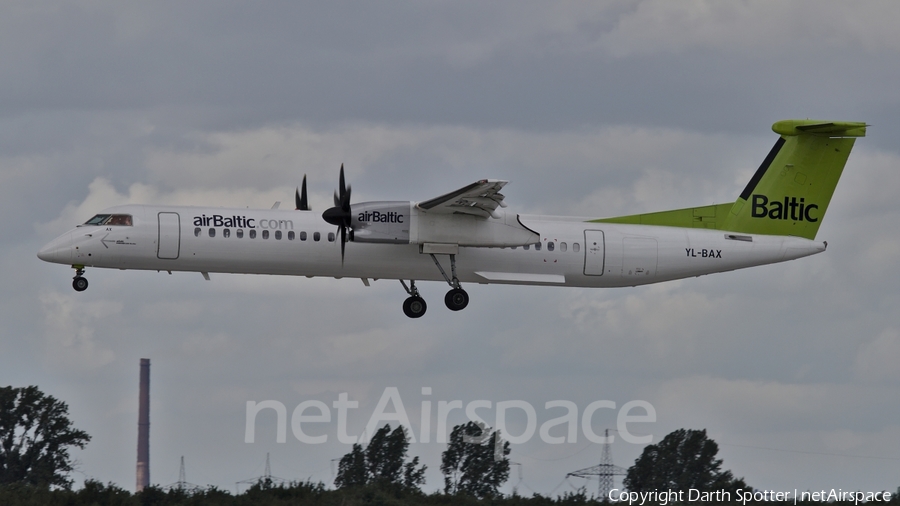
x: 604, y: 471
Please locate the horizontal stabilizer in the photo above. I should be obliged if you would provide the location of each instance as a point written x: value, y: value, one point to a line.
x: 816, y: 127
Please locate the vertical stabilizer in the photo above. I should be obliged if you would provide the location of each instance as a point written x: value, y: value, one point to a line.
x: 791, y: 190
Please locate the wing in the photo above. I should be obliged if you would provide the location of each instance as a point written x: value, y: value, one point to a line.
x: 480, y: 198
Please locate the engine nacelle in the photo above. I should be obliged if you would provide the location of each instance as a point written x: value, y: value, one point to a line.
x: 382, y: 222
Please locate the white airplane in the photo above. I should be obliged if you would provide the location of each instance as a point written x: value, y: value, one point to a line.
x: 468, y: 236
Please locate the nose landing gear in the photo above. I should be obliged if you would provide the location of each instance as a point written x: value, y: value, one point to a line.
x: 79, y: 282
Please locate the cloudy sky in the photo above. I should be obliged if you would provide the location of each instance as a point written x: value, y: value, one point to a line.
x: 588, y: 108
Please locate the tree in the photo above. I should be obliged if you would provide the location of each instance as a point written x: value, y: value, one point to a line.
x: 683, y: 459
x: 35, y: 437
x: 352, y: 469
x: 475, y: 462
x: 382, y: 463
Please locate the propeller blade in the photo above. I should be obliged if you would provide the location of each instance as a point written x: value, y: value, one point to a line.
x: 339, y: 215
x: 300, y: 197
x: 345, y: 205
x: 343, y: 242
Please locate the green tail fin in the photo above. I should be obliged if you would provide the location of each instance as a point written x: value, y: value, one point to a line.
x: 792, y: 188
x: 790, y: 191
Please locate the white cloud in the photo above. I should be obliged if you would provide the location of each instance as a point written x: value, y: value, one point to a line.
x: 752, y: 406
x: 879, y: 359
x: 69, y: 331
x: 102, y: 194
x: 637, y: 166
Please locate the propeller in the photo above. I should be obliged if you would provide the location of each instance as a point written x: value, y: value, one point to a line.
x: 339, y: 215
x: 300, y: 197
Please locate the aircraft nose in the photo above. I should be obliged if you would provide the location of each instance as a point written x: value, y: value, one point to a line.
x: 58, y: 250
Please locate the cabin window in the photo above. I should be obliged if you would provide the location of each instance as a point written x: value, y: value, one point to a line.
x: 212, y: 232
x: 252, y: 233
x: 291, y: 235
x: 562, y: 247
x: 576, y: 247
x: 537, y: 246
x: 526, y: 247
x: 278, y: 235
x: 317, y: 236
x: 197, y: 232
x: 551, y: 245
x: 330, y: 236
x: 239, y: 233
x: 302, y: 236
x: 265, y: 234
x: 226, y: 232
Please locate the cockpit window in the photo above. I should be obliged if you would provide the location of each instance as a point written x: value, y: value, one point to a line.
x: 120, y: 219
x: 110, y: 219
x: 97, y: 220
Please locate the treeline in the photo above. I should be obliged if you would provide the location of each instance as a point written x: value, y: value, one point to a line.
x: 35, y: 435
x: 262, y: 494
x: 301, y: 494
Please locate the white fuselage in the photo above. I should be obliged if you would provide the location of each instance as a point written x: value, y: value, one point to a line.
x: 573, y: 252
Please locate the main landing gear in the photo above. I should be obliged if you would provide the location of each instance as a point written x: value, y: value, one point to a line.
x: 79, y: 282
x: 456, y: 299
x: 414, y: 306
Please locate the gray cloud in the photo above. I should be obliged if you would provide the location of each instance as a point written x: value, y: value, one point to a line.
x: 588, y: 110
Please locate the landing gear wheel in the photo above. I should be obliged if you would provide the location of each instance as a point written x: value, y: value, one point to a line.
x: 456, y: 299
x: 414, y: 307
x: 80, y: 284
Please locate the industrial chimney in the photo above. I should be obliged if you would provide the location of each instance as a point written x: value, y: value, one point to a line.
x: 143, y: 447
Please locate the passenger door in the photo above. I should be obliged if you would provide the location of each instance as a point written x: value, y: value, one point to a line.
x: 169, y: 241
x: 594, y: 252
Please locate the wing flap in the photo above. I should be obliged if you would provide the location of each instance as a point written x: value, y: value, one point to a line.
x: 481, y: 198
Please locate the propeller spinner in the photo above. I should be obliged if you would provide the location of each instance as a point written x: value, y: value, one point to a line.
x: 339, y: 215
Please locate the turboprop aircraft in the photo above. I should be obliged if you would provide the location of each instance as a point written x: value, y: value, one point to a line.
x: 468, y: 235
